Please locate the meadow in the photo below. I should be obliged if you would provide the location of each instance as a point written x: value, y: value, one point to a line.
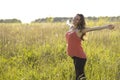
x: 37, y: 51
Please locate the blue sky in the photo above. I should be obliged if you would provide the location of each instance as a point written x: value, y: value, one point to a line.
x: 29, y: 10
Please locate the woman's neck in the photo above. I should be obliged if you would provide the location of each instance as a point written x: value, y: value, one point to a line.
x: 74, y: 27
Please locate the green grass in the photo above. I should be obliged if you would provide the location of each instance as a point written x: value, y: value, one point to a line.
x: 38, y: 52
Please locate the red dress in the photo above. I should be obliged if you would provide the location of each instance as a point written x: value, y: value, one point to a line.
x: 74, y: 48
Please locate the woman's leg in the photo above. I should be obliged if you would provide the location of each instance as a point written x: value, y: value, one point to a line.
x: 79, y: 64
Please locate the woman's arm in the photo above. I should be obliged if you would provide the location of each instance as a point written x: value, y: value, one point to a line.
x: 98, y: 28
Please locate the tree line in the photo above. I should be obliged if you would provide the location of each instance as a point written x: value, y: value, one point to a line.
x: 10, y: 21
x: 60, y: 19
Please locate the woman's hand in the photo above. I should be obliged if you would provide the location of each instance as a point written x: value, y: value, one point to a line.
x: 110, y: 26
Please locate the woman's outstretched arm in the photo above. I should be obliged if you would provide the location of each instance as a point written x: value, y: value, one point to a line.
x: 98, y: 28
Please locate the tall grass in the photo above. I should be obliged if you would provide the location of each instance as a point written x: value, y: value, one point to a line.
x: 38, y: 52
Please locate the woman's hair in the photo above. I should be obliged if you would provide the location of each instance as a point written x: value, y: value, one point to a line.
x: 81, y: 24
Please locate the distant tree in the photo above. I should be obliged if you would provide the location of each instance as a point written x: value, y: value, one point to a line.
x: 49, y: 19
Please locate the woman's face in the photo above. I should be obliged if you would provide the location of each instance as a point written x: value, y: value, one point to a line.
x: 76, y: 20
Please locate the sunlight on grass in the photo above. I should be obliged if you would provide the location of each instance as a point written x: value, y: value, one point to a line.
x: 38, y: 52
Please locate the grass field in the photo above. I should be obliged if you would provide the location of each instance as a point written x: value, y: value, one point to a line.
x: 38, y: 52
